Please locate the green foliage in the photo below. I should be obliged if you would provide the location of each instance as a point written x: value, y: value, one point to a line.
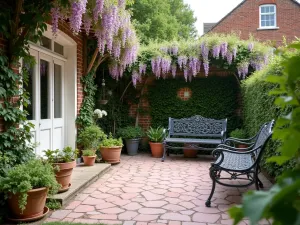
x: 53, y: 204
x: 109, y: 142
x: 131, y: 132
x: 212, y: 97
x: 239, y: 133
x: 163, y: 20
x: 90, y: 137
x: 156, y: 134
x: 88, y: 153
x: 258, y: 108
x: 31, y: 175
x: 281, y: 203
x: 68, y: 154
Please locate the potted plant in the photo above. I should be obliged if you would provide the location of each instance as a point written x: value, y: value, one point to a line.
x: 240, y: 134
x: 90, y: 138
x: 110, y: 149
x: 156, y: 137
x: 189, y: 152
x: 132, y: 136
x: 26, y: 187
x: 63, y: 161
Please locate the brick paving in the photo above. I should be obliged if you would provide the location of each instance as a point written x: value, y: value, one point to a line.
x: 142, y: 190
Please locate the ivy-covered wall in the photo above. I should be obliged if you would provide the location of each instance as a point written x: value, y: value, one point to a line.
x: 213, y: 97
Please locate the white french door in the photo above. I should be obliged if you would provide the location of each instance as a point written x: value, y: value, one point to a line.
x: 46, y: 111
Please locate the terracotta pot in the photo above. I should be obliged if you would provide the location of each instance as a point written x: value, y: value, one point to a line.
x: 111, y: 155
x: 89, y: 160
x: 189, y: 153
x: 156, y: 149
x: 36, y: 201
x: 63, y: 177
x: 242, y: 146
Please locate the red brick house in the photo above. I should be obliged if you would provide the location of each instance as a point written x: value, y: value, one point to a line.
x: 264, y: 19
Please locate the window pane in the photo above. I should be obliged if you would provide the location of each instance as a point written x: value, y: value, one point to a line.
x: 29, y: 87
x: 57, y: 91
x: 263, y: 17
x: 272, y: 8
x: 272, y: 23
x: 46, y: 42
x: 44, y: 85
x: 267, y: 23
x: 58, y: 48
x: 267, y: 9
x: 263, y: 9
x: 263, y: 23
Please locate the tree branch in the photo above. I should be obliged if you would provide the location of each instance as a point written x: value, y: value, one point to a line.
x: 92, y: 60
x: 100, y: 60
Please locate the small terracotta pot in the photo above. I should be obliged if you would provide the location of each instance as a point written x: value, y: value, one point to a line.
x: 63, y: 177
x: 36, y: 201
x: 242, y: 146
x: 89, y: 160
x: 156, y: 149
x: 190, y: 153
x: 111, y: 155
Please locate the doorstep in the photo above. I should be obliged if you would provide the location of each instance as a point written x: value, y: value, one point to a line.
x: 82, y: 176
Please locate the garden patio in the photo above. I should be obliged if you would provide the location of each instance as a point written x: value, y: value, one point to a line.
x: 142, y: 190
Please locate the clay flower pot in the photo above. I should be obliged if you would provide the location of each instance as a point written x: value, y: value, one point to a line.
x: 89, y: 160
x: 189, y: 153
x: 112, y: 154
x: 63, y: 176
x: 156, y: 149
x: 36, y: 201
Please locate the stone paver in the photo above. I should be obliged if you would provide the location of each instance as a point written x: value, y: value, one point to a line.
x: 142, y: 190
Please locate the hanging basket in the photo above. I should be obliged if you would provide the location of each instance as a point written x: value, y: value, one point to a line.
x: 103, y: 101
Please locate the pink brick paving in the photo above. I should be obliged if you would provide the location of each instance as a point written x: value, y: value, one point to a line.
x: 142, y: 190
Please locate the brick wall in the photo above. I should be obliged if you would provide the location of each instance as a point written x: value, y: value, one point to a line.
x: 245, y: 20
x: 145, y: 119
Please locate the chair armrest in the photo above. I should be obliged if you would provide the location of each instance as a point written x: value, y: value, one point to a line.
x: 240, y: 141
x: 233, y: 148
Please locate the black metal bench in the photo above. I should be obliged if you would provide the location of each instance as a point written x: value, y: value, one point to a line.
x: 239, y: 164
x: 194, y: 131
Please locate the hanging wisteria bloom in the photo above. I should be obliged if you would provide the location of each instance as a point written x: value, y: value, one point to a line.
x: 206, y: 67
x: 135, y: 77
x: 243, y: 69
x: 182, y: 61
x: 55, y: 15
x: 193, y: 62
x: 166, y: 65
x: 98, y: 9
x: 174, y: 70
x: 204, y: 51
x: 174, y: 50
x: 216, y: 51
x: 234, y: 51
x: 256, y: 65
x: 250, y: 46
x: 164, y: 49
x: 229, y: 57
x: 185, y: 73
x: 142, y: 68
x: 78, y: 8
x: 224, y: 49
x: 87, y: 22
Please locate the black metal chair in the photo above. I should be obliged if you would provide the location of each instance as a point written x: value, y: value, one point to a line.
x: 239, y: 164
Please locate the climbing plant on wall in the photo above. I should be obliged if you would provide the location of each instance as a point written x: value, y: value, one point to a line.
x: 213, y: 97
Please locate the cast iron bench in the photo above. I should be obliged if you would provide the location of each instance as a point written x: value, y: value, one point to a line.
x: 239, y: 164
x: 194, y: 131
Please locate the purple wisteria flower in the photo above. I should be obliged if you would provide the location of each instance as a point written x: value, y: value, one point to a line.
x: 229, y: 57
x: 142, y: 68
x: 216, y: 51
x: 98, y: 9
x: 224, y: 49
x: 243, y: 69
x: 182, y: 61
x: 206, y: 67
x: 55, y: 14
x: 234, y: 51
x: 185, y: 73
x: 204, y: 51
x: 174, y: 50
x: 250, y: 46
x: 135, y: 77
x: 174, y: 70
x: 193, y: 61
x: 78, y: 8
x: 164, y: 49
x: 166, y: 65
x: 87, y: 22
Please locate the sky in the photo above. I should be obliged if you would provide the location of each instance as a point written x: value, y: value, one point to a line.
x: 210, y: 11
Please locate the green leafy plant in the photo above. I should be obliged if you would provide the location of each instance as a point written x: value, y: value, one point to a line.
x: 90, y: 137
x: 68, y: 154
x: 281, y: 203
x: 88, y: 153
x: 156, y: 134
x: 239, y: 133
x: 131, y: 132
x: 31, y: 175
x: 53, y: 204
x: 109, y: 142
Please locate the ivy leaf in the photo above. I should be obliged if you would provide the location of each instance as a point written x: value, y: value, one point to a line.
x: 279, y: 159
x: 236, y: 213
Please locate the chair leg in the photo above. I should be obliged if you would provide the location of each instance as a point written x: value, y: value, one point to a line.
x: 164, y: 155
x: 213, y: 174
x: 257, y: 181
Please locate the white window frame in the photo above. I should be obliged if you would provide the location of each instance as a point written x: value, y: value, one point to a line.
x: 260, y: 15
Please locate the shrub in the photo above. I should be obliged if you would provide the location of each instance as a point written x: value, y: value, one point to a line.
x: 31, y: 175
x: 68, y: 154
x: 90, y: 137
x: 109, y: 142
x: 88, y: 153
x: 156, y: 134
x: 258, y: 108
x: 239, y: 133
x: 131, y: 132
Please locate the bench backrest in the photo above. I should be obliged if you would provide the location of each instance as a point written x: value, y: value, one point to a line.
x: 262, y: 138
x: 198, y: 126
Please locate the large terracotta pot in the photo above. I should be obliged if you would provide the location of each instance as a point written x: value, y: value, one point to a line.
x: 36, y: 201
x: 156, y: 149
x: 189, y: 153
x: 63, y: 176
x: 89, y: 160
x: 111, y: 155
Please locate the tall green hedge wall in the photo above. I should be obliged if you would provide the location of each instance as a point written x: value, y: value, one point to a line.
x: 258, y: 108
x: 213, y: 97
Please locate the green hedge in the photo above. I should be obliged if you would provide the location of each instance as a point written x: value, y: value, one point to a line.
x: 213, y: 97
x: 258, y: 108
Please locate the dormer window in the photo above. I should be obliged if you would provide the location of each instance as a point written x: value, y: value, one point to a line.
x: 267, y: 16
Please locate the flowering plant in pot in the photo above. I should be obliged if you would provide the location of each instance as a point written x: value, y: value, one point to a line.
x: 156, y: 137
x: 26, y: 187
x: 240, y: 134
x: 63, y: 161
x: 110, y: 149
x: 132, y: 136
x: 90, y: 138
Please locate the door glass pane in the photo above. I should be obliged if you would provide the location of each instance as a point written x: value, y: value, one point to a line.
x: 45, y: 90
x: 29, y: 87
x: 57, y: 91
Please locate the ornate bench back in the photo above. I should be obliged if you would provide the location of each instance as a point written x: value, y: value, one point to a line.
x: 262, y: 139
x: 197, y: 126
